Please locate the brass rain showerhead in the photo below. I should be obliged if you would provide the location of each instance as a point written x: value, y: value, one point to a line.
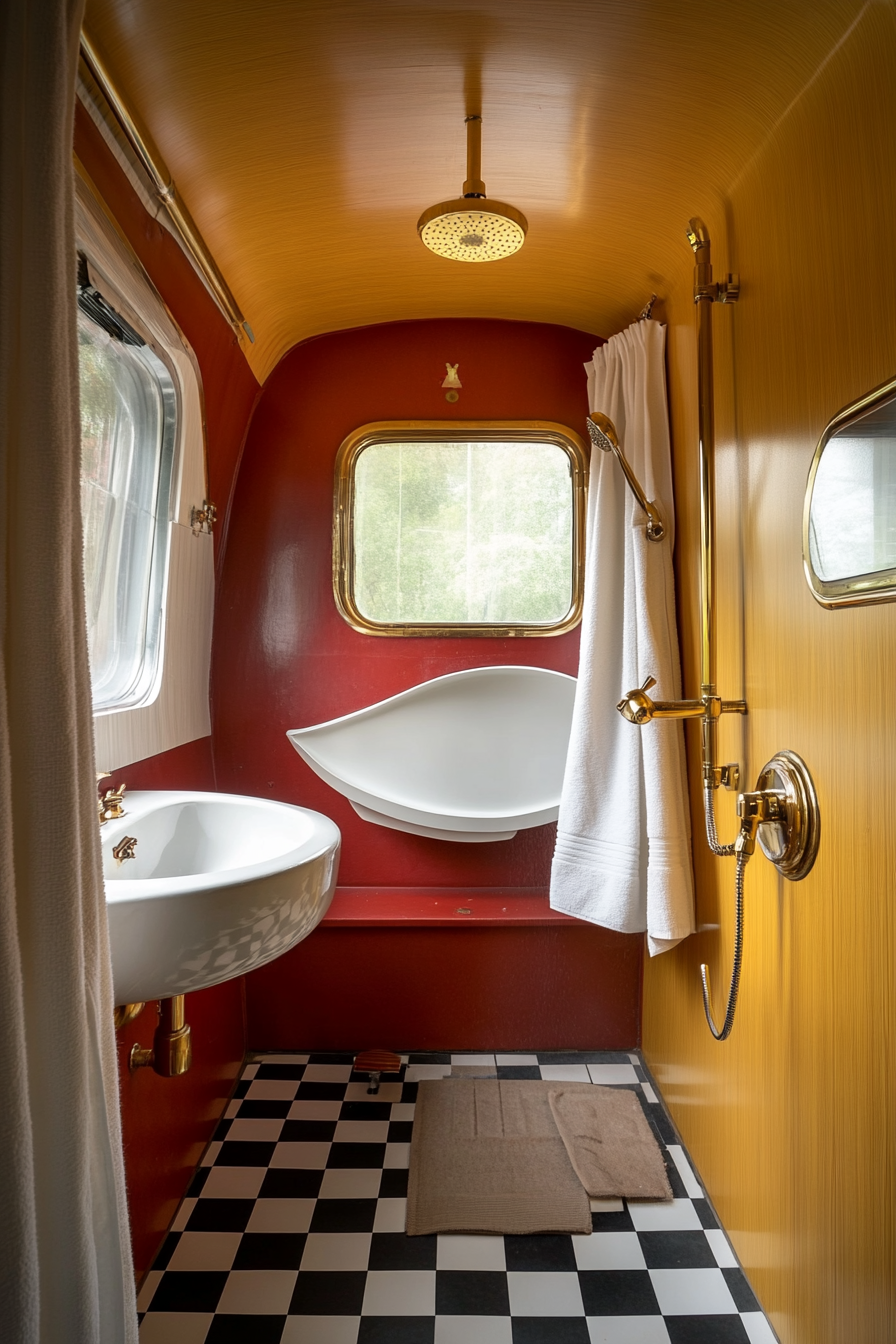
x: 472, y: 228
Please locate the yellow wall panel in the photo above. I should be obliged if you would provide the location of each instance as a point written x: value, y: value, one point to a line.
x: 792, y: 1122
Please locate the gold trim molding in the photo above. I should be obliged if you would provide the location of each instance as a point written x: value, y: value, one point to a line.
x: 446, y: 431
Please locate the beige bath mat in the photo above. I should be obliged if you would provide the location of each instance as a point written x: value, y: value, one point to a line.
x: 516, y: 1157
x: 486, y: 1156
x: 609, y: 1142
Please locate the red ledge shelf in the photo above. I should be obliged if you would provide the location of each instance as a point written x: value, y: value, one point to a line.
x: 398, y: 907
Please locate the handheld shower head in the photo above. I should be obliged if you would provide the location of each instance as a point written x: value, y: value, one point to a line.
x: 603, y: 432
x: 603, y: 435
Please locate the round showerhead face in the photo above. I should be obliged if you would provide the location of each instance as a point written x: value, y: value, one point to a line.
x: 472, y: 230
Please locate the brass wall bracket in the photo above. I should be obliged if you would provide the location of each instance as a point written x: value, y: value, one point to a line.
x: 725, y: 291
x: 172, y: 1052
x: 204, y: 519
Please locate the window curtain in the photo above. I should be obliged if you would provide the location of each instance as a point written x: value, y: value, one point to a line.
x: 622, y: 857
x: 65, y: 1268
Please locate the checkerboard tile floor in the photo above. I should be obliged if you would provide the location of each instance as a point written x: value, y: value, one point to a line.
x: 292, y: 1231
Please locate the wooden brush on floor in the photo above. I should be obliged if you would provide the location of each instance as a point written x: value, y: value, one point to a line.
x: 375, y: 1063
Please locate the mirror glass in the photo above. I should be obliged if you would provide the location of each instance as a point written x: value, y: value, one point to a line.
x: 849, y: 520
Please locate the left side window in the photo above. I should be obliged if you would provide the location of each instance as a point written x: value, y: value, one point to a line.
x: 129, y: 412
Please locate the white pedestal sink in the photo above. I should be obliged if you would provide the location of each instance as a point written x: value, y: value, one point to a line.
x: 218, y: 885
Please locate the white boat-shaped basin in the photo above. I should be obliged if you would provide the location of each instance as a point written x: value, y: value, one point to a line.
x: 218, y: 885
x: 473, y: 756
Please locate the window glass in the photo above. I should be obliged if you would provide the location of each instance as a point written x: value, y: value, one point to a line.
x: 128, y: 413
x: 853, y: 518
x: 469, y: 532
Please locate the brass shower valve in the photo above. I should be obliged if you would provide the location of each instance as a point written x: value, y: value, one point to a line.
x: 638, y: 707
x: 754, y: 809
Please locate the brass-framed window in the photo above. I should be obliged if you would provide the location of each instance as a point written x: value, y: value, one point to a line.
x: 460, y: 528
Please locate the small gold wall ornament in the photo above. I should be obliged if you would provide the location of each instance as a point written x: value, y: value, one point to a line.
x: 452, y: 382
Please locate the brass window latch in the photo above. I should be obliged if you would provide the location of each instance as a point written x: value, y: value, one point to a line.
x: 204, y: 519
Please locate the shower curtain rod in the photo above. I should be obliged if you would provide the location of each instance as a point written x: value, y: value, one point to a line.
x: 166, y: 192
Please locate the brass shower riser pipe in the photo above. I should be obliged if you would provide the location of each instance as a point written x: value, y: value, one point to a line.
x: 706, y: 293
x: 636, y: 705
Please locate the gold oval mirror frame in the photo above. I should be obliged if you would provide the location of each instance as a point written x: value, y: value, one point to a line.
x: 849, y: 512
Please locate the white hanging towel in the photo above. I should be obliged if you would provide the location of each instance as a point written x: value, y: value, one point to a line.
x: 623, y: 855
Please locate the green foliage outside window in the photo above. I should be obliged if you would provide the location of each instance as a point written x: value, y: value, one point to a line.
x: 463, y: 532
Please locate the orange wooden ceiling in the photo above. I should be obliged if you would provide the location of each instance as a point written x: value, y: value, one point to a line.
x: 306, y: 136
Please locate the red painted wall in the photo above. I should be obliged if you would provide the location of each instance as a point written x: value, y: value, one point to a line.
x: 566, y: 986
x: 283, y: 657
x: 167, y: 1122
x: 186, y: 767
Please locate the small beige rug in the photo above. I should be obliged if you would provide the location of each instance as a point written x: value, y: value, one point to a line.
x: 518, y: 1157
x: 487, y: 1157
x: 609, y: 1142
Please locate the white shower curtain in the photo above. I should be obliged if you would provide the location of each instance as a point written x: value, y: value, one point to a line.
x: 65, y: 1267
x: 622, y: 857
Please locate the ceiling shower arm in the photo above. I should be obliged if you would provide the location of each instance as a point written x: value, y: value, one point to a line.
x: 474, y: 186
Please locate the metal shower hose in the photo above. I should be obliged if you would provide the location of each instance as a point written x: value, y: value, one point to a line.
x: 722, y: 1033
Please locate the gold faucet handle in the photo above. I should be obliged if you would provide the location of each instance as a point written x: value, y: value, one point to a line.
x: 124, y: 849
x: 637, y: 705
x: 755, y: 809
x: 110, y: 804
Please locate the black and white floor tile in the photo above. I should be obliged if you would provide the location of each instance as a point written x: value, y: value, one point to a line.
x: 292, y: 1231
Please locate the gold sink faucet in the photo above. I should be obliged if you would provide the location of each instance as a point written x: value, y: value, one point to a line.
x: 110, y: 805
